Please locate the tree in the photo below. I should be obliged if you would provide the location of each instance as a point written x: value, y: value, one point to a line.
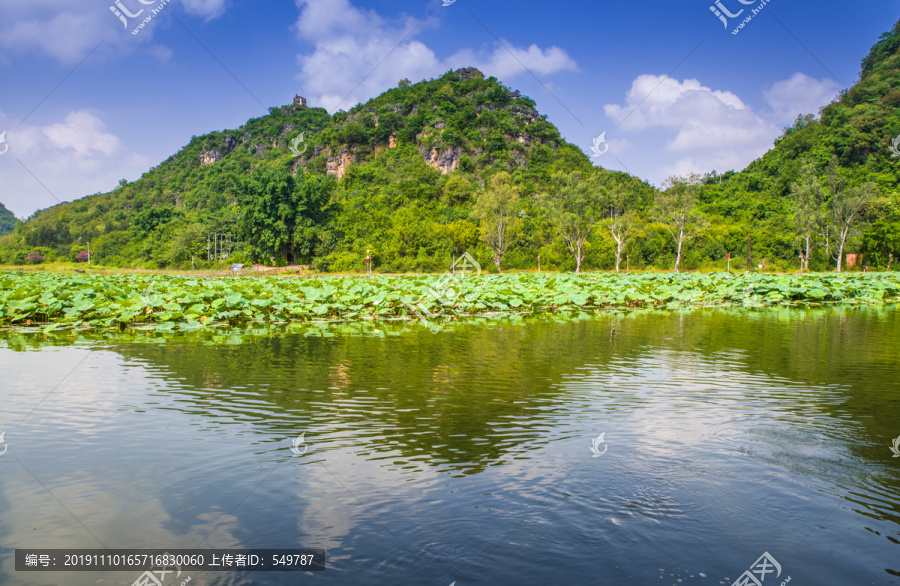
x: 574, y: 210
x: 622, y: 217
x: 676, y: 208
x: 620, y: 228
x: 807, y: 202
x: 497, y: 207
x: 282, y: 215
x: 190, y: 241
x: 845, y: 208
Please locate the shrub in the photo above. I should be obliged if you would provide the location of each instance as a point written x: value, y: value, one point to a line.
x: 34, y: 258
x: 82, y: 256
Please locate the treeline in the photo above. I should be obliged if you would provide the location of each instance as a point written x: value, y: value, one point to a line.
x: 410, y: 218
x: 584, y: 219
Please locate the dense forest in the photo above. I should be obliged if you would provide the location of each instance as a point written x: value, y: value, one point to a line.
x: 429, y: 170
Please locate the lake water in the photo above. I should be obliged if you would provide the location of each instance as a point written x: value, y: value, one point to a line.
x: 464, y: 455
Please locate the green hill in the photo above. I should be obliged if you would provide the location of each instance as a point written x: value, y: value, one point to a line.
x: 395, y: 175
x: 8, y: 220
x: 858, y: 128
x: 399, y: 176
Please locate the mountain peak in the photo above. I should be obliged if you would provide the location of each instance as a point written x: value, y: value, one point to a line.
x: 467, y: 73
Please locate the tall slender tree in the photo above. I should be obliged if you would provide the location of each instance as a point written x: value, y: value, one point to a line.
x: 846, y: 206
x: 497, y: 207
x: 574, y: 208
x: 807, y: 197
x: 621, y: 218
x: 676, y: 208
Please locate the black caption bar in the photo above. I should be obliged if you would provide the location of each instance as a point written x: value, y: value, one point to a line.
x: 161, y: 562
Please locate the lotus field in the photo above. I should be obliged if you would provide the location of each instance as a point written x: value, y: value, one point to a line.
x: 53, y: 300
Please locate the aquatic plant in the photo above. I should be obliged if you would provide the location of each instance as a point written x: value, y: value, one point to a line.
x: 102, y: 301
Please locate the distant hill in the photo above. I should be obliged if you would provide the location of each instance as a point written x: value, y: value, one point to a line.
x: 8, y: 220
x: 400, y: 172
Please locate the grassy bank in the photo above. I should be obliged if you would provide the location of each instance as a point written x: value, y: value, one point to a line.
x: 54, y: 300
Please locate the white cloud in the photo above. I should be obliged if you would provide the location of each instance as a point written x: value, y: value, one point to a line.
x: 70, y: 159
x: 358, y: 54
x: 63, y: 30
x: 505, y: 64
x: 349, y: 47
x: 799, y: 95
x: 207, y: 9
x: 160, y: 52
x: 712, y: 129
x: 83, y: 133
x: 663, y: 101
x: 67, y: 30
x: 321, y: 20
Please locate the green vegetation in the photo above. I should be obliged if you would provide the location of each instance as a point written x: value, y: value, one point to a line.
x: 574, y: 209
x: 856, y: 131
x: 676, y: 209
x: 283, y: 215
x: 188, y: 302
x: 497, y: 207
x: 413, y: 175
x: 8, y: 220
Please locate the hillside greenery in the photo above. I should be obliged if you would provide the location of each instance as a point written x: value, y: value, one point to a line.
x: 409, y: 177
x: 8, y: 220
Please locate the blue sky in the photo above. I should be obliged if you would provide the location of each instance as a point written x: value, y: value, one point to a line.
x: 84, y: 102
